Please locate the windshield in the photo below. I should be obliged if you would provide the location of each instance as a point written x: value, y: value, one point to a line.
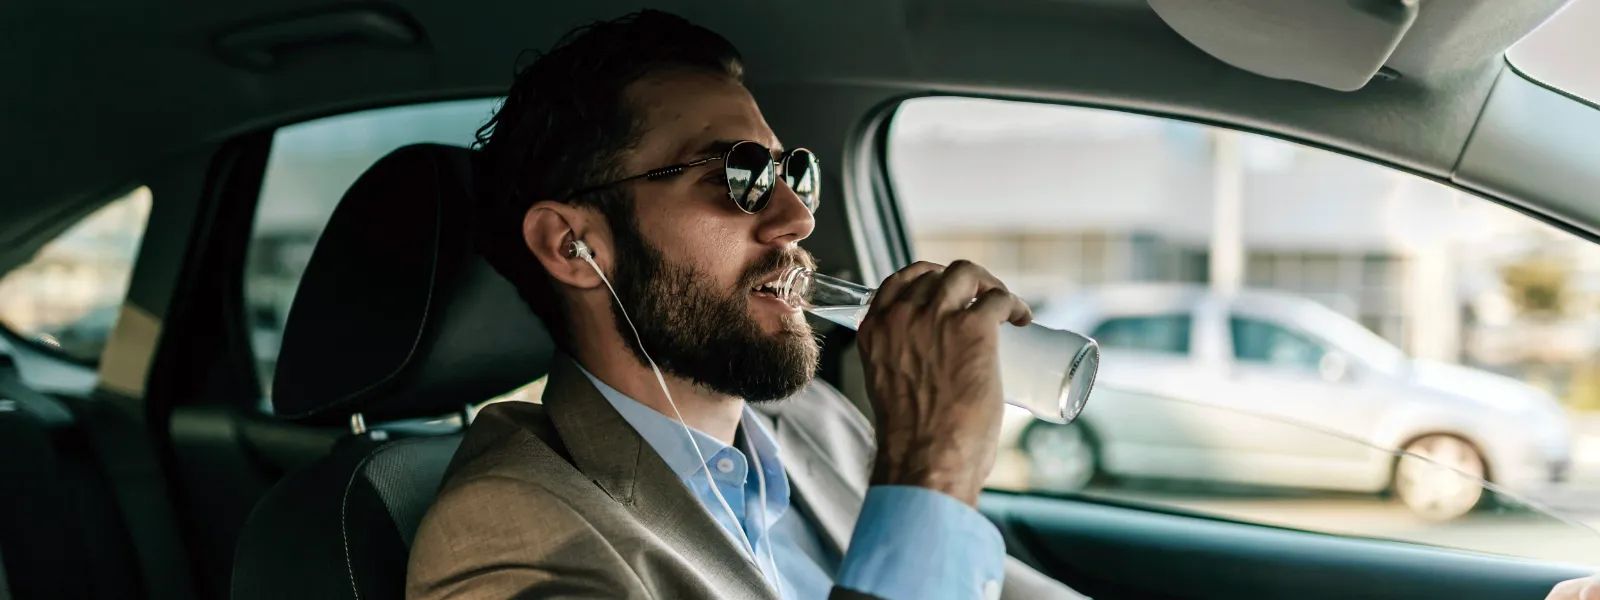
x: 1561, y: 52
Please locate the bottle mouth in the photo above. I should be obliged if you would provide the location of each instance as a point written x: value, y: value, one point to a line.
x: 794, y: 287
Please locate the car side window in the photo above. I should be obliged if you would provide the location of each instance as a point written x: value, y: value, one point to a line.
x: 68, y: 296
x: 1257, y: 341
x: 1399, y: 291
x: 1165, y: 334
x: 308, y: 170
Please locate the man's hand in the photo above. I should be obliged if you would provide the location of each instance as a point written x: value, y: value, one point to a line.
x: 1587, y: 588
x: 932, y: 364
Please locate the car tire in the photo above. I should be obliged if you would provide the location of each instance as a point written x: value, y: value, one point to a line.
x: 1061, y: 458
x: 1440, y: 477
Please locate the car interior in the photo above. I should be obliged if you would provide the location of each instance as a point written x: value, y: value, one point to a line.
x: 166, y: 462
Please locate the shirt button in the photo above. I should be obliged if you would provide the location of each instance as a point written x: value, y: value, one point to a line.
x: 725, y: 465
x: 991, y: 590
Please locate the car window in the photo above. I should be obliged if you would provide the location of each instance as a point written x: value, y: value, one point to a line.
x: 1472, y: 331
x: 1167, y: 334
x: 1258, y: 341
x: 1556, y: 52
x: 68, y: 296
x: 309, y: 168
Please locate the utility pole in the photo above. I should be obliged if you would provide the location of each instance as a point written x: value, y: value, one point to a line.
x: 1227, y: 213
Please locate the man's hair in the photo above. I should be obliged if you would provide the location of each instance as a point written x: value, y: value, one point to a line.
x: 565, y: 125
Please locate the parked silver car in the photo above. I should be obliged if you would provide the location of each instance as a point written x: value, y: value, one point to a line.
x: 1273, y: 389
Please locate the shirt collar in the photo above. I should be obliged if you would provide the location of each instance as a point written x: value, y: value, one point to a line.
x: 665, y: 436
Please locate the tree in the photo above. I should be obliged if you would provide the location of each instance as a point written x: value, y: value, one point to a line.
x: 1538, y: 286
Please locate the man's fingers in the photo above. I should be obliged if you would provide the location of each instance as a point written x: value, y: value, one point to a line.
x: 963, y: 283
x: 1000, y: 306
x: 923, y: 290
x: 1587, y: 588
x: 1590, y: 589
x: 895, y: 284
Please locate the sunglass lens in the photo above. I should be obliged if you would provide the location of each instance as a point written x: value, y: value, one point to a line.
x: 804, y: 175
x: 750, y: 176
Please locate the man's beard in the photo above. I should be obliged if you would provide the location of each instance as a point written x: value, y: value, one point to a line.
x: 705, y: 335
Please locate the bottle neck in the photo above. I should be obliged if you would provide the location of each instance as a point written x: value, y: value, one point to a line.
x: 794, y: 287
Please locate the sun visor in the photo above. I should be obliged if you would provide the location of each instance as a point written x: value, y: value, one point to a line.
x: 1338, y: 44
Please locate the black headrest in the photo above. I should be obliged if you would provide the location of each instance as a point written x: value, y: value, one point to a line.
x: 398, y: 316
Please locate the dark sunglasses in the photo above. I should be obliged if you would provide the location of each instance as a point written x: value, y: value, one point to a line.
x: 751, y: 174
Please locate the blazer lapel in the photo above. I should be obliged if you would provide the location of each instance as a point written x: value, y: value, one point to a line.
x: 608, y: 450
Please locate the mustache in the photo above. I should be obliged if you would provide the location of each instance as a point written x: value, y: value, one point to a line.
x: 777, y: 260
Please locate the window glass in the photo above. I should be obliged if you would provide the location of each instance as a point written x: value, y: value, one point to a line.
x: 1166, y: 334
x: 1262, y: 342
x: 1449, y: 314
x: 1560, y: 53
x: 310, y: 167
x: 68, y: 297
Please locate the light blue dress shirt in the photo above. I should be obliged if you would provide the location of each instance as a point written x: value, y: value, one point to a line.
x: 910, y: 543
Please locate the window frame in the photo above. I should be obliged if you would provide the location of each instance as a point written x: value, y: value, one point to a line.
x: 870, y: 197
x: 1223, y: 312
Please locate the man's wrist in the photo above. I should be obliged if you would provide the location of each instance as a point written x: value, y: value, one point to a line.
x: 954, y: 482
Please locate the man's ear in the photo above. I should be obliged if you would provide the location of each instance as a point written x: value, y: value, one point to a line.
x: 549, y: 228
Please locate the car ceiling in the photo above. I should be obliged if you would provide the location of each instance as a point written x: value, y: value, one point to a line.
x: 103, y: 90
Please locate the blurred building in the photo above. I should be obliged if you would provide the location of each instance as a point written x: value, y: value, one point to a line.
x: 1053, y: 198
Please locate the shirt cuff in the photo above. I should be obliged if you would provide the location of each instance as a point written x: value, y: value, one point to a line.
x: 913, y: 543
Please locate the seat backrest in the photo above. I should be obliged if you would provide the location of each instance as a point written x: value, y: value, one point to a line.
x: 57, y: 517
x: 398, y: 316
x: 342, y: 527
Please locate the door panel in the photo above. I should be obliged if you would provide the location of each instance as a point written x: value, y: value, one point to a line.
x: 1109, y: 552
x: 1284, y: 377
x: 1153, y: 435
x: 1292, y: 405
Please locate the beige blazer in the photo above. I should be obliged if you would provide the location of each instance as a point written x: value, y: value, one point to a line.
x: 565, y: 500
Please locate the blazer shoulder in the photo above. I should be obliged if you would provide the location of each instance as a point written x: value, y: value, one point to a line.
x: 515, y: 440
x: 494, y: 535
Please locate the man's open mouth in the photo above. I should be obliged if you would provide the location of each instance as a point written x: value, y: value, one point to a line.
x: 767, y: 288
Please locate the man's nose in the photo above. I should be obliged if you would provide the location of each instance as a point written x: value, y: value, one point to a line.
x: 785, y: 220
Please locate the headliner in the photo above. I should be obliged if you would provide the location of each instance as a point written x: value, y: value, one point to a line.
x: 110, y: 88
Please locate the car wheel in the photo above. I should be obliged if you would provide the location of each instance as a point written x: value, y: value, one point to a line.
x: 1061, y: 458
x: 1440, y: 477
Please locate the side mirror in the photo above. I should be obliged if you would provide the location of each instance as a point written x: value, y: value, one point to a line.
x: 1335, y: 367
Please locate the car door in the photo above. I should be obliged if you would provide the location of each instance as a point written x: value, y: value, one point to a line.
x: 1282, y: 381
x: 1149, y: 415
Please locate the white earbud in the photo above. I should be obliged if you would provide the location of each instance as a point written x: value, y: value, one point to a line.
x: 582, y: 250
